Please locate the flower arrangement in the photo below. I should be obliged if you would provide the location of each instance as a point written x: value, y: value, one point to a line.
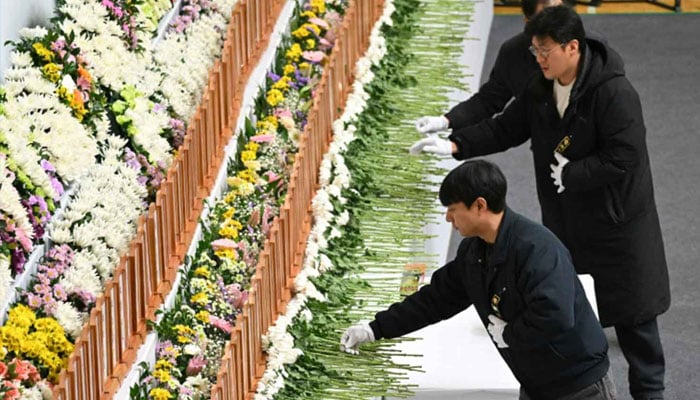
x: 55, y: 76
x: 234, y: 232
x: 363, y: 229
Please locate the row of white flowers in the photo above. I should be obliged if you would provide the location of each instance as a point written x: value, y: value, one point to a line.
x: 99, y: 221
x: 112, y: 196
x: 334, y: 177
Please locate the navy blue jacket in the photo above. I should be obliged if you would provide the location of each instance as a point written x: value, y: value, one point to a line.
x: 556, y: 345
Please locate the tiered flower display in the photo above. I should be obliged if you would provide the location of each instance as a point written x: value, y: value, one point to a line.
x: 368, y: 213
x: 192, y: 335
x: 59, y: 131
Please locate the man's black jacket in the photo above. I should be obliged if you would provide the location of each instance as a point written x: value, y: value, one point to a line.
x: 556, y: 345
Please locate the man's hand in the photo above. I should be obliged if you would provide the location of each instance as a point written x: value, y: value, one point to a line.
x: 557, y: 170
x: 354, y: 336
x: 427, y: 125
x: 496, y: 327
x: 433, y: 145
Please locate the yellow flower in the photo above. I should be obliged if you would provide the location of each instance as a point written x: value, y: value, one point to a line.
x: 231, y: 196
x: 318, y: 6
x: 253, y: 165
x: 246, y: 188
x: 252, y: 146
x: 305, y: 67
x: 308, y: 14
x: 294, y: 52
x: 228, y: 232
x: 283, y: 83
x: 202, y: 272
x: 159, y: 394
x: 310, y: 43
x: 21, y: 316
x: 247, y: 175
x: 247, y: 155
x: 263, y: 126
x: 229, y: 213
x: 203, y: 316
x: 271, y: 119
x: 226, y: 254
x: 200, y: 298
x: 301, y: 32
x: 289, y: 69
x: 43, y: 52
x: 163, y: 364
x: 274, y: 97
x: 161, y: 375
x: 312, y: 27
x: 52, y: 72
x: 183, y: 329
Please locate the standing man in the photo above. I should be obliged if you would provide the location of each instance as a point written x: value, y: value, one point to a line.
x: 512, y: 70
x: 520, y: 279
x: 594, y: 181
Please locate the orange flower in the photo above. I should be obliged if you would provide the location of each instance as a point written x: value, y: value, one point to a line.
x: 84, y: 74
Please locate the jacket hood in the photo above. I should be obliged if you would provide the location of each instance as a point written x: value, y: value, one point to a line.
x: 598, y: 64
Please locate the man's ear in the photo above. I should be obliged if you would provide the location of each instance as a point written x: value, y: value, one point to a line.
x: 573, y: 45
x: 481, y: 204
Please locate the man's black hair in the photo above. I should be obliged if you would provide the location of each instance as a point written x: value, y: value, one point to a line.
x: 560, y: 23
x: 530, y: 6
x: 472, y: 179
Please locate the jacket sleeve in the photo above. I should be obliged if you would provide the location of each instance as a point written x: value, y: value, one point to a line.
x: 494, y: 135
x: 489, y: 100
x: 622, y: 137
x: 548, y: 285
x: 444, y: 297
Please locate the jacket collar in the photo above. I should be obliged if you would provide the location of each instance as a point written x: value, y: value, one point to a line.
x: 499, y: 251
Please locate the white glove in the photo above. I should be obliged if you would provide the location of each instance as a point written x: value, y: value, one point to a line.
x: 433, y: 145
x: 496, y: 327
x: 557, y: 170
x: 427, y: 125
x: 354, y: 336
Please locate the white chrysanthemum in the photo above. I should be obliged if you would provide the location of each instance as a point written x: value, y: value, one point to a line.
x: 343, y: 218
x: 191, y: 349
x: 81, y: 275
x: 24, y: 154
x: 6, y: 280
x: 321, y: 205
x: 324, y: 263
x: 60, y: 235
x: 32, y: 393
x: 69, y: 318
x: 10, y: 201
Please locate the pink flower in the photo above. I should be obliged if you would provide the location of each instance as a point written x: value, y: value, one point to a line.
x: 271, y: 176
x: 313, y: 56
x: 33, y: 301
x: 195, y: 365
x: 83, y: 83
x: 254, y: 219
x: 262, y: 138
x: 268, y: 216
x: 283, y: 112
x: 318, y: 21
x: 3, y: 370
x: 59, y: 292
x: 224, y: 244
x: 22, y: 369
x: 220, y: 323
x: 324, y: 44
